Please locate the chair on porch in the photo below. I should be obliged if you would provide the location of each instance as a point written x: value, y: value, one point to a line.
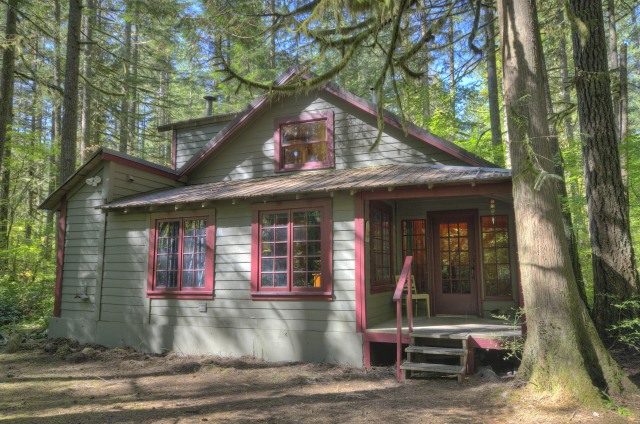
x: 416, y: 297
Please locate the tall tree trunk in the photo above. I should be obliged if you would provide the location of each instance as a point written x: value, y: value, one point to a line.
x: 6, y: 118
x: 613, y: 55
x: 7, y: 77
x: 562, y: 349
x: 561, y: 187
x: 134, y: 115
x: 615, y: 277
x: 492, y: 81
x: 87, y: 70
x: 272, y: 37
x: 452, y: 73
x: 54, y: 175
x: 624, y: 119
x: 69, y: 133
x: 425, y: 81
x: 124, y: 106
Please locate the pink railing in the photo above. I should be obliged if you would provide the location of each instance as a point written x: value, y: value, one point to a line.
x: 404, y: 279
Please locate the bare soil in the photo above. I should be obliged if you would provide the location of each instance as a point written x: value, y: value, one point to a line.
x: 59, y: 382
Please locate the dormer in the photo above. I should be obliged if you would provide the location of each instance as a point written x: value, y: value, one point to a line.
x: 189, y: 136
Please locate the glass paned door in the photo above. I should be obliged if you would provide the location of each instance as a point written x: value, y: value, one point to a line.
x: 454, y: 263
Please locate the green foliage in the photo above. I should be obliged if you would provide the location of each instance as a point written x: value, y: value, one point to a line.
x: 26, y: 298
x: 627, y: 331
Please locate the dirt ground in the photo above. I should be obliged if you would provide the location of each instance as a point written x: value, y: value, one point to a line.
x: 57, y: 382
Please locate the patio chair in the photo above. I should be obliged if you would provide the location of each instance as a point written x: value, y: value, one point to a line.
x: 415, y: 297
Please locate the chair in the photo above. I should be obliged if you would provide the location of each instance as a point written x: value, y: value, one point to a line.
x: 415, y: 296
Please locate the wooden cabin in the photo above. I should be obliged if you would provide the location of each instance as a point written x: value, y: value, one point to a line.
x: 279, y: 232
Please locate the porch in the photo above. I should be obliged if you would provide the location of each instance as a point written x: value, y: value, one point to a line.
x: 483, y: 333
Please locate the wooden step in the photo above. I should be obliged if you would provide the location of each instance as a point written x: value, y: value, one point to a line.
x: 440, y: 368
x: 430, y: 350
x: 451, y: 336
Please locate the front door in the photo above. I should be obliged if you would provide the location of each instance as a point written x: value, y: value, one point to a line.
x: 454, y: 262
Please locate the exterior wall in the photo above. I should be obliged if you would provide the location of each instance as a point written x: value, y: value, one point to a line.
x: 232, y: 324
x: 191, y: 140
x: 126, y: 181
x: 250, y: 154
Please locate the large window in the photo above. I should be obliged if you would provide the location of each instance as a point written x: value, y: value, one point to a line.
x: 381, y: 247
x: 496, y: 262
x: 304, y: 142
x: 291, y: 249
x: 181, y: 256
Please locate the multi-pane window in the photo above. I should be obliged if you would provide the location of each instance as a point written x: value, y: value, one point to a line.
x: 381, y: 248
x: 304, y: 142
x: 496, y: 256
x: 181, y: 258
x: 456, y: 261
x: 293, y: 249
x: 414, y: 237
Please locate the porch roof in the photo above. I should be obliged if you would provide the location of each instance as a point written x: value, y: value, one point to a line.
x: 323, y: 181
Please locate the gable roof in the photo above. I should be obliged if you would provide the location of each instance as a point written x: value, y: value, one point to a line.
x: 324, y: 181
x: 255, y: 108
x: 52, y: 201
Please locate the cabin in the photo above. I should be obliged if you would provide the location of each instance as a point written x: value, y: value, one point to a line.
x: 283, y: 233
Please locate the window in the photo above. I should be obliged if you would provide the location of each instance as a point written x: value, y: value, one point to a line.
x: 304, y: 142
x: 181, y: 256
x: 381, y: 248
x: 291, y: 250
x: 414, y: 238
x: 496, y: 262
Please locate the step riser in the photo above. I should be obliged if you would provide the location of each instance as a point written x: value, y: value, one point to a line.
x: 443, y: 351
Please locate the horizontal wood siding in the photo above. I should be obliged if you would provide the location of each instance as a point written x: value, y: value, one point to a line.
x: 79, y: 273
x: 191, y: 140
x: 125, y: 268
x: 127, y: 181
x: 250, y: 154
x: 321, y: 323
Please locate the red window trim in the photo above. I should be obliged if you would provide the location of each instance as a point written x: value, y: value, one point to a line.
x: 325, y: 292
x: 503, y: 297
x: 302, y: 118
x: 379, y: 287
x: 205, y: 292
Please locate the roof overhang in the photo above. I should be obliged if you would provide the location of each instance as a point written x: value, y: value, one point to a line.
x: 388, y: 177
x: 52, y: 202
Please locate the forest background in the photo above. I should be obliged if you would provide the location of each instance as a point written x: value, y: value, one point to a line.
x: 143, y: 64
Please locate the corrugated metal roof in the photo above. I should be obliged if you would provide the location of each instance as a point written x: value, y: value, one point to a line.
x: 317, y: 181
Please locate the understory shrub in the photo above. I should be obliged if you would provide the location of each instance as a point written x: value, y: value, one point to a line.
x: 26, y: 300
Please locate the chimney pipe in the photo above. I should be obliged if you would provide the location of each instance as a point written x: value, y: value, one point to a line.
x: 210, y: 100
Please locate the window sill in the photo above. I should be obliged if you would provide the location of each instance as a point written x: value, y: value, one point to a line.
x: 179, y: 295
x: 266, y: 295
x: 306, y: 167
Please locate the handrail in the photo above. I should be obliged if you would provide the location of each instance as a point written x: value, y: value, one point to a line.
x: 405, y: 277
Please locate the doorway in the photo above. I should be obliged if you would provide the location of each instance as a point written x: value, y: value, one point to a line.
x: 454, y: 276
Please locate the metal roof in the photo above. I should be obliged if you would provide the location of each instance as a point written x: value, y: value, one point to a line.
x: 376, y: 177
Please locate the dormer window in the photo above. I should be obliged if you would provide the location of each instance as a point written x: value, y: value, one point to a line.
x: 304, y: 142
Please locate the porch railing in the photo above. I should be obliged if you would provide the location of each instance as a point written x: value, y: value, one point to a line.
x: 403, y: 280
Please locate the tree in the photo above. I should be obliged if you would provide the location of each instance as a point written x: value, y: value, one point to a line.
x: 69, y: 130
x: 562, y: 349
x: 492, y: 78
x: 615, y: 278
x: 6, y: 114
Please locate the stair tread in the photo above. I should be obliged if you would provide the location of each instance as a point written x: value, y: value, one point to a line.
x: 433, y: 350
x: 442, y: 368
x: 444, y: 335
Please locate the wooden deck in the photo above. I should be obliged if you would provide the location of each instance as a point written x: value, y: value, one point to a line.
x: 482, y: 332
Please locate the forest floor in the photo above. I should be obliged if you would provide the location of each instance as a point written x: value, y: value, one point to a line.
x: 58, y: 382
